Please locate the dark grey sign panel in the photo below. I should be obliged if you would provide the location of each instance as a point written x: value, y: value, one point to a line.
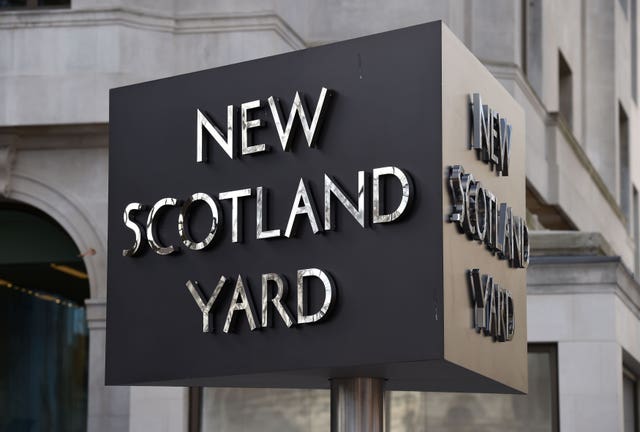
x: 278, y: 222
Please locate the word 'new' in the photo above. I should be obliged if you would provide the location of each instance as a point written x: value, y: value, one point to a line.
x: 226, y: 142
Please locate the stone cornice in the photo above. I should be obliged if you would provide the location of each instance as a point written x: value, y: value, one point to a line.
x: 562, y: 275
x: 563, y: 243
x: 151, y: 20
x: 96, y: 312
x: 89, y: 135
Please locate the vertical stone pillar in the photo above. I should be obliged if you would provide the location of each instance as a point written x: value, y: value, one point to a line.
x: 108, y: 407
x: 590, y: 386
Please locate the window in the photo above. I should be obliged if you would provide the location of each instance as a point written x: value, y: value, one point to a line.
x: 623, y: 142
x: 523, y: 35
x: 634, y: 50
x: 630, y: 401
x: 532, y: 43
x: 452, y: 412
x: 565, y: 88
x: 636, y: 232
x: 33, y: 4
x: 238, y: 410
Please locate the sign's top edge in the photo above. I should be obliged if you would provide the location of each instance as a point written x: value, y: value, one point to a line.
x: 438, y: 23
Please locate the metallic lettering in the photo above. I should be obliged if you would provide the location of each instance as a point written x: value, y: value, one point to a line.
x: 490, y: 136
x: 236, y: 211
x: 182, y: 221
x: 133, y: 226
x: 241, y: 301
x: 298, y: 107
x: 478, y: 210
x: 281, y: 293
x: 307, y: 208
x: 205, y: 308
x: 331, y: 187
x: 458, y: 196
x: 405, y: 182
x: 225, y: 143
x: 329, y: 294
x: 246, y: 124
x: 261, y: 215
x: 153, y: 242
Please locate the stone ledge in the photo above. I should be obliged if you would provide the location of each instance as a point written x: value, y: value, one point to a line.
x: 96, y: 311
x: 152, y: 20
x: 575, y: 275
x: 568, y: 243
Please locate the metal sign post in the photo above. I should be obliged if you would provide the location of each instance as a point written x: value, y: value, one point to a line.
x: 357, y: 404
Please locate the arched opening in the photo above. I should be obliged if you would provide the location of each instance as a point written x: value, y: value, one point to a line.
x: 43, y: 330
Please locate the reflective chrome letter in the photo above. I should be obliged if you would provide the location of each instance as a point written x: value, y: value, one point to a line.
x: 478, y: 210
x: 405, y: 182
x: 329, y: 289
x: 182, y: 221
x: 504, y: 245
x: 281, y: 283
x: 482, y: 128
x: 511, y: 322
x: 155, y: 245
x: 331, y: 187
x: 206, y: 309
x: 479, y: 287
x: 490, y: 307
x: 137, y: 231
x: 468, y: 225
x: 307, y: 208
x: 516, y: 259
x: 236, y: 233
x: 505, y: 148
x: 248, y: 124
x: 245, y: 304
x: 499, y: 326
x: 261, y: 215
x: 298, y: 107
x: 226, y: 144
x: 525, y: 244
x: 492, y: 221
x: 457, y: 195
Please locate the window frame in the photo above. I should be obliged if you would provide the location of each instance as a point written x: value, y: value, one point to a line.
x: 633, y: 377
x: 552, y: 350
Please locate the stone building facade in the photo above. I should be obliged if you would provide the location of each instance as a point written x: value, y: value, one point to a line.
x: 572, y: 65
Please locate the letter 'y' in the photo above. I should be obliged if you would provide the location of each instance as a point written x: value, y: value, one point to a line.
x: 205, y: 308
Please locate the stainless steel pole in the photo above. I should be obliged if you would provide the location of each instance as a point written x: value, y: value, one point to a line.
x: 357, y: 404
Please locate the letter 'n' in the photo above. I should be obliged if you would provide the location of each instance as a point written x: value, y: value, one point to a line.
x: 225, y: 142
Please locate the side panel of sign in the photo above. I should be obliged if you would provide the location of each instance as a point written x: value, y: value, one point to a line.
x: 485, y: 247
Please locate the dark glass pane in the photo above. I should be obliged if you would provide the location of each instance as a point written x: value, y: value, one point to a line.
x: 54, y: 2
x: 629, y: 404
x: 43, y: 363
x: 12, y: 3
